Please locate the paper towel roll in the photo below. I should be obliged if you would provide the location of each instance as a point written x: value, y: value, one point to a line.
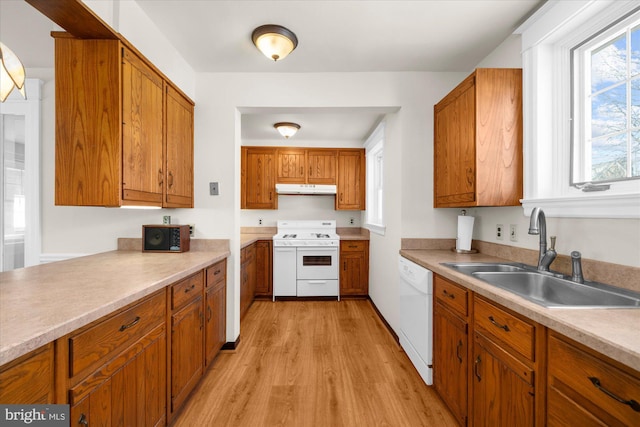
x: 465, y: 232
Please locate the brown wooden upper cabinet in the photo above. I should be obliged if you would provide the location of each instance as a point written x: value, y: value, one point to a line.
x: 263, y: 167
x: 124, y: 134
x: 478, y: 141
x: 258, y: 178
x: 306, y: 166
x: 350, y: 194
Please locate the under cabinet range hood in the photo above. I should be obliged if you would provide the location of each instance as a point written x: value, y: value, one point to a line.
x: 305, y: 189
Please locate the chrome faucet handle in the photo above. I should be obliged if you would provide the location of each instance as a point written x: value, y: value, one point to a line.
x: 576, y: 267
x: 553, y: 243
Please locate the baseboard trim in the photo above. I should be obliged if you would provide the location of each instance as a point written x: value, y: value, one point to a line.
x: 231, y: 345
x: 384, y: 321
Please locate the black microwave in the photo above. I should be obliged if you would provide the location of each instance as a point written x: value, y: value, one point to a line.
x: 165, y: 238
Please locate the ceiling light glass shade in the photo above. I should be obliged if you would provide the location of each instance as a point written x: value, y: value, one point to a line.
x: 274, y: 41
x: 287, y: 129
x: 11, y: 73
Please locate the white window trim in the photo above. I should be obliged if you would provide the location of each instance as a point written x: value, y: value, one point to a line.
x: 30, y: 109
x: 547, y: 38
x: 376, y: 137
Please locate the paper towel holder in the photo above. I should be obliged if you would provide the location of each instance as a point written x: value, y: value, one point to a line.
x: 463, y: 212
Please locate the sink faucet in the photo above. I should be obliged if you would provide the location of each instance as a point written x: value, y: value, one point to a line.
x: 576, y: 267
x: 538, y: 225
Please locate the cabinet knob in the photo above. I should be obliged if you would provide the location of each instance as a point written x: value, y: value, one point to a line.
x: 83, y: 420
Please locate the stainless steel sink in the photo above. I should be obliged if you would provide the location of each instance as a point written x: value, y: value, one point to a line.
x: 473, y: 267
x: 549, y: 289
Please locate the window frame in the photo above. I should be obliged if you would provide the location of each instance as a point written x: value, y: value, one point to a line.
x: 581, y: 93
x: 547, y: 39
x: 374, y: 150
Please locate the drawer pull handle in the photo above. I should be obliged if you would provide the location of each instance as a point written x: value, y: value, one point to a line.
x: 505, y: 327
x: 634, y: 405
x: 447, y: 294
x: 130, y: 325
x: 353, y: 246
x: 477, y: 367
x: 83, y: 420
x: 193, y: 285
x: 458, y: 347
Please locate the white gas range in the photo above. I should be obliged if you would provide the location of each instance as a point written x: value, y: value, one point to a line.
x: 305, y: 259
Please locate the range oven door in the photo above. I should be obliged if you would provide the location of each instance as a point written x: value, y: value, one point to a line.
x: 317, y: 263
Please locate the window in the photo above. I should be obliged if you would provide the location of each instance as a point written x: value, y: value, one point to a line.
x: 566, y: 56
x: 375, y: 180
x: 606, y: 105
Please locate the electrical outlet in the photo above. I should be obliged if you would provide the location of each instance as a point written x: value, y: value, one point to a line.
x: 166, y: 219
x: 513, y: 232
x: 351, y: 220
x: 191, y: 229
x: 499, y: 231
x: 213, y: 189
x: 259, y: 221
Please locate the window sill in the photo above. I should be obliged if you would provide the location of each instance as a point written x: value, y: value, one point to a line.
x: 377, y: 229
x: 600, y: 206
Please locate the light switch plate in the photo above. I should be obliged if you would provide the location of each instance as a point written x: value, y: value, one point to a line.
x: 213, y: 189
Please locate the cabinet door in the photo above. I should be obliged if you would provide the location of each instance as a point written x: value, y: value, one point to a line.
x: 322, y: 166
x: 186, y: 351
x: 502, y: 395
x: 29, y: 379
x: 454, y: 147
x: 258, y: 179
x: 142, y: 168
x: 215, y: 329
x: 292, y: 165
x: 134, y: 394
x: 179, y: 150
x: 450, y: 360
x: 351, y: 180
x: 263, y: 268
x: 354, y: 268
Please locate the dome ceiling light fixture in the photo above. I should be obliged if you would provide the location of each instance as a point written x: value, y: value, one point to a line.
x: 11, y: 73
x: 274, y: 41
x: 287, y: 129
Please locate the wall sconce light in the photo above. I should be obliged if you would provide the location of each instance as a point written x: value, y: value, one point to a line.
x: 287, y: 129
x: 11, y: 73
x: 274, y: 41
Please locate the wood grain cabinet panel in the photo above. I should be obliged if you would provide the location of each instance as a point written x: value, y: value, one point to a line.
x: 264, y: 268
x: 121, y: 137
x: 215, y: 310
x: 29, y: 379
x: 351, y: 185
x: 354, y: 267
x: 258, y: 178
x: 322, y: 166
x: 291, y: 166
x: 478, y: 141
x: 587, y: 388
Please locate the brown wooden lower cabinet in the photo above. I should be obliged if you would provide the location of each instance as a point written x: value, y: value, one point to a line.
x: 264, y: 268
x: 354, y: 267
x: 588, y: 389
x: 215, y: 311
x: 28, y: 379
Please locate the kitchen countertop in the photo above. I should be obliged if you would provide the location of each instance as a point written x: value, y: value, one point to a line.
x: 345, y: 233
x: 40, y: 304
x: 612, y: 332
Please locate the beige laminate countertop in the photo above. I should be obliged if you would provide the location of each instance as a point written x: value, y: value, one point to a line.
x: 612, y: 332
x: 40, y: 304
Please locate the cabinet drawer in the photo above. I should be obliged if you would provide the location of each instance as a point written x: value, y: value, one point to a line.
x: 115, y: 333
x: 506, y: 327
x: 186, y: 290
x: 592, y: 383
x: 216, y: 273
x: 453, y: 296
x: 354, y: 245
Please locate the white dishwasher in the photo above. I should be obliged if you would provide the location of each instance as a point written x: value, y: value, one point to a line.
x: 416, y: 316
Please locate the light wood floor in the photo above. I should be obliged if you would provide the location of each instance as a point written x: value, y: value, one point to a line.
x: 314, y: 363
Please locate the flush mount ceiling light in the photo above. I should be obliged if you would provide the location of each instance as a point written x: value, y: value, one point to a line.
x: 274, y: 41
x: 287, y: 129
x: 11, y: 73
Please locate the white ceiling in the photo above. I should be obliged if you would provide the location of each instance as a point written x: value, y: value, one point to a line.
x: 334, y: 36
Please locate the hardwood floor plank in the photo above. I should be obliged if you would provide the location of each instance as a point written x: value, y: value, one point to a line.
x: 314, y: 363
